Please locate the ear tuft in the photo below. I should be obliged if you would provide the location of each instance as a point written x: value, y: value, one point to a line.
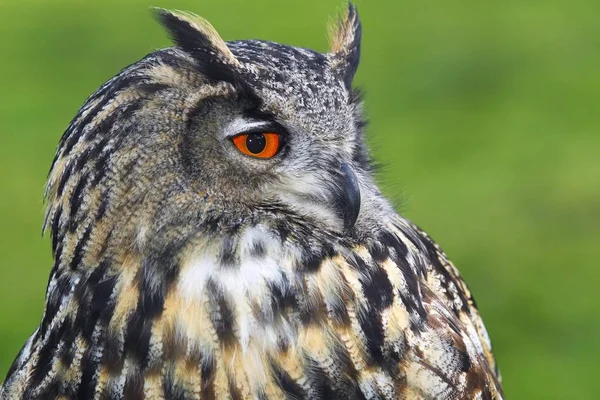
x: 198, y: 37
x: 345, y: 37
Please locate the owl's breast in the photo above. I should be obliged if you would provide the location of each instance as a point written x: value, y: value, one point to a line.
x: 235, y: 313
x: 276, y: 324
x: 358, y: 322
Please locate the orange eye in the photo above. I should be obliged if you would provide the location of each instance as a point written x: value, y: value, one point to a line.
x: 260, y: 145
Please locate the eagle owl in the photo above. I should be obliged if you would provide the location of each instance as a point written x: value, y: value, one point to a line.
x: 217, y: 234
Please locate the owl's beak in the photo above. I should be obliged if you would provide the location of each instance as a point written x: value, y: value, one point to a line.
x: 347, y: 196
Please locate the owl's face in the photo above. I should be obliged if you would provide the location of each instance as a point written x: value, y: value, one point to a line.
x: 219, y: 134
x: 288, y: 134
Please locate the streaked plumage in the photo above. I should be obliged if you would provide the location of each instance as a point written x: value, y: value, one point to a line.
x: 185, y: 269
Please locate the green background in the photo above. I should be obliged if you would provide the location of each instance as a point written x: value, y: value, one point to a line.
x: 485, y: 116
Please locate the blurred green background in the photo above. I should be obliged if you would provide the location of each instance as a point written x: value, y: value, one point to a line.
x: 485, y: 116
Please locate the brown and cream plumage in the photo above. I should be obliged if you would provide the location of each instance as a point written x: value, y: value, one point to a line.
x: 217, y: 234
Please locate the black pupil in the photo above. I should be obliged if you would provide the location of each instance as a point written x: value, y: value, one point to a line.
x: 256, y: 143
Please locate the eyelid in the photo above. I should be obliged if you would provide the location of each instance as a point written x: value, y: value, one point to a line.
x: 240, y: 126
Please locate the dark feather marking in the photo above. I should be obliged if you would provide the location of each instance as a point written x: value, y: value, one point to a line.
x: 148, y: 89
x: 477, y: 378
x: 101, y: 307
x: 87, y: 385
x: 312, y: 311
x: 227, y: 257
x: 63, y: 180
x: 171, y: 390
x: 486, y: 393
x: 313, y: 258
x: 79, y: 252
x: 289, y: 387
x: 57, y: 262
x: 412, y: 301
x: 413, y: 306
x: 123, y: 113
x: 134, y: 386
x: 342, y: 358
x: 51, y: 391
x: 376, y: 286
x: 67, y: 388
x: 102, y: 154
x: 320, y: 384
x: 255, y: 109
x: 67, y: 351
x: 395, y: 352
x: 106, y: 94
x: 112, y: 356
x: 75, y: 129
x: 323, y: 386
x: 465, y: 361
x: 57, y: 154
x: 175, y: 61
x: 103, y: 207
x: 56, y: 266
x: 258, y: 249
x: 77, y: 198
x: 280, y: 300
x: 280, y: 226
x: 137, y: 337
x: 211, y: 222
x: 158, y: 272
x: 222, y: 315
x: 101, y: 166
x: 54, y: 229
x: 54, y: 300
x: 233, y: 390
x: 311, y: 262
x: 360, y: 156
x: 47, y: 352
x: 88, y: 153
x: 339, y: 312
x: 389, y: 239
x: 453, y: 324
x: 152, y: 291
x: 378, y: 251
x: 283, y: 230
x: 371, y: 325
x: 447, y: 277
x: 102, y: 310
x: 207, y: 372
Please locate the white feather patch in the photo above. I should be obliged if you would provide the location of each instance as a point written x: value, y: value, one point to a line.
x: 245, y: 285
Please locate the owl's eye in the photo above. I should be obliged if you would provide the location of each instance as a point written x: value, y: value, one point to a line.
x: 259, y: 145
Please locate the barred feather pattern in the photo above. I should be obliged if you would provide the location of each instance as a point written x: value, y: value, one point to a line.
x: 386, y: 319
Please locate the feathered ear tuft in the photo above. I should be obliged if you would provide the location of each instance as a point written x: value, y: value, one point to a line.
x: 198, y: 37
x: 345, y: 36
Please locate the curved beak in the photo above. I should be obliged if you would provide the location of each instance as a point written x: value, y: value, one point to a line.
x: 347, y: 196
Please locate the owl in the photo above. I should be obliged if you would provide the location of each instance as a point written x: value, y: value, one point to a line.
x: 217, y: 234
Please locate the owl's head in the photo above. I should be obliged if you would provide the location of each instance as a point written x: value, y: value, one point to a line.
x: 215, y: 135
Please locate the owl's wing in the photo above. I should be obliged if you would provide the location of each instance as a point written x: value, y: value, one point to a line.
x: 430, y: 326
